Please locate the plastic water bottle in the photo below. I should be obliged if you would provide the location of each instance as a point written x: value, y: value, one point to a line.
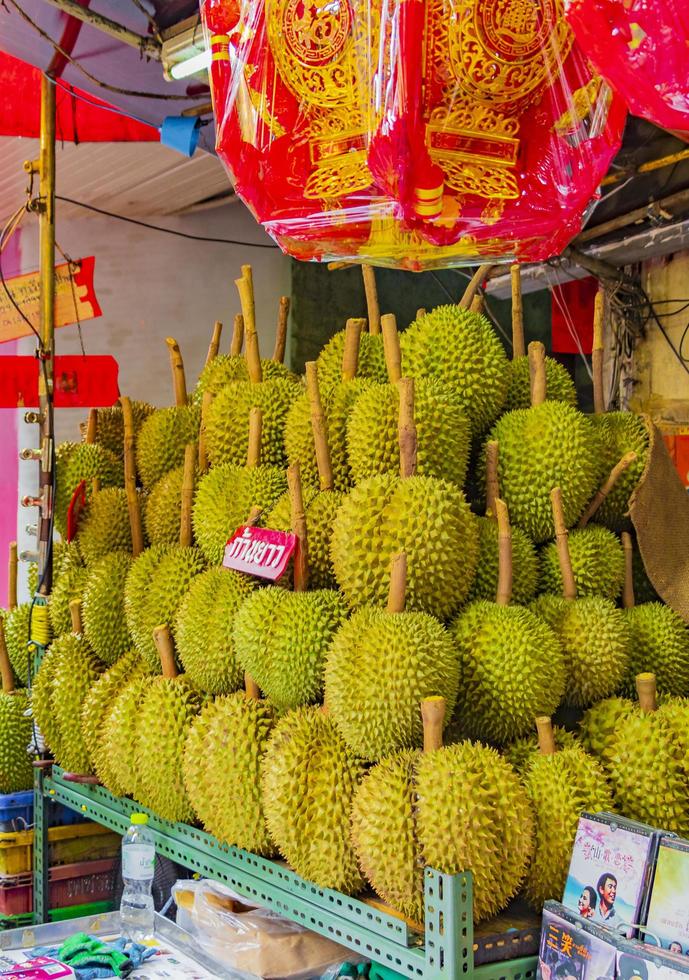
x: 138, y: 864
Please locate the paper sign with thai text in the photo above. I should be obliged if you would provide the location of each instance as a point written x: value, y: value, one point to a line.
x: 259, y: 551
x: 80, y: 381
x: 75, y: 299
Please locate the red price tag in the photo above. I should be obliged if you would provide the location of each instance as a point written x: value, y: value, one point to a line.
x: 258, y: 551
x: 76, y: 506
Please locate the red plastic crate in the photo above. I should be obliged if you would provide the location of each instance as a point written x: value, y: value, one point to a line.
x: 70, y: 884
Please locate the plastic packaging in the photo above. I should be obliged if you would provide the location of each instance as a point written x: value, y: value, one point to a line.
x: 138, y: 866
x: 254, y: 941
x: 416, y: 134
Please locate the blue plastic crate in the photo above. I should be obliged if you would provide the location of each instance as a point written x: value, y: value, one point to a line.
x: 16, y: 813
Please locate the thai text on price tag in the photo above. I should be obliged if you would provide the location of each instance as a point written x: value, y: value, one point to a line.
x: 259, y: 551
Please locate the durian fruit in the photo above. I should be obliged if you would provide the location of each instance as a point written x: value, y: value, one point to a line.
x: 204, y: 627
x: 16, y: 625
x: 600, y: 724
x: 99, y: 699
x: 510, y: 662
x: 222, y: 762
x: 165, y: 714
x: 621, y: 434
x: 63, y: 494
x: 115, y: 759
x: 105, y: 625
x: 426, y: 518
x: 16, y: 771
x: 460, y: 348
x: 110, y: 425
x: 281, y: 637
x: 163, y: 508
x: 561, y: 785
x: 227, y: 493
x: 380, y: 665
x: 308, y: 780
x: 597, y: 563
x: 522, y: 752
x: 42, y: 709
x: 69, y: 579
x: 643, y: 587
x: 90, y: 461
x: 550, y: 444
x: 559, y: 385
x: 105, y: 525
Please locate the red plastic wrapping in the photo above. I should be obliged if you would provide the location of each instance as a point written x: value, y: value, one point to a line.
x: 641, y: 47
x: 416, y: 134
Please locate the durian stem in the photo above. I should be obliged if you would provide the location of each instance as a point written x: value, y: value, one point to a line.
x: 518, y: 347
x: 350, y: 358
x: 254, y: 516
x: 646, y: 691
x: 245, y: 287
x: 237, y: 336
x: 420, y: 312
x: 398, y: 583
x: 214, y: 345
x: 179, y: 380
x: 319, y: 428
x: 474, y: 284
x: 95, y: 485
x: 371, y: 298
x: 537, y: 373
x: 569, y: 588
x: 133, y: 502
x: 281, y: 332
x: 92, y: 426
x: 504, y: 590
x: 478, y: 304
x: 546, y: 736
x: 75, y: 615
x: 597, y: 353
x: 301, y: 555
x: 253, y: 457
x: 12, y: 567
x: 615, y: 473
x: 185, y: 528
x: 492, y: 482
x: 628, y: 600
x: 166, y: 651
x: 433, y: 716
x: 251, y: 689
x: 5, y: 666
x: 406, y: 428
x: 391, y: 348
x: 206, y: 403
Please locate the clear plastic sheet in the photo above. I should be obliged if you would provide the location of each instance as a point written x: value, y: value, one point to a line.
x: 417, y: 134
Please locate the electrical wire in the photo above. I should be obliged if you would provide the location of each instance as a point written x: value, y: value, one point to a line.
x: 5, y: 235
x: 81, y: 97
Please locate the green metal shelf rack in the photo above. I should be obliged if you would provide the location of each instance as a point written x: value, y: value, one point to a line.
x: 444, y: 953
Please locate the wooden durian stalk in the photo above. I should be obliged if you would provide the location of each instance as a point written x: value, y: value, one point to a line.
x: 92, y: 426
x: 95, y: 485
x: 371, y: 291
x: 421, y: 312
x: 398, y: 583
x: 5, y: 666
x: 133, y: 502
x: 319, y: 428
x: 474, y: 284
x: 537, y: 373
x: 518, y: 346
x: 433, y: 715
x: 245, y: 286
x: 350, y: 357
x: 546, y: 736
x: 237, y: 336
x: 492, y: 483
x: 251, y: 689
x: 406, y: 428
x: 391, y: 348
x: 597, y: 353
x: 569, y: 589
x: 254, y: 515
x: 186, y: 535
x: 628, y: 599
x: 166, y: 651
x: 12, y: 567
x: 615, y: 473
x: 206, y: 403
x: 179, y: 380
x: 253, y: 456
x: 301, y: 555
x: 646, y: 691
x: 75, y: 615
x: 281, y: 332
x: 214, y: 346
x: 478, y: 303
x: 503, y: 595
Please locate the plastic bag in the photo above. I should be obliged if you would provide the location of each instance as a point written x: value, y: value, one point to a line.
x: 419, y: 134
x: 252, y: 940
x: 640, y: 48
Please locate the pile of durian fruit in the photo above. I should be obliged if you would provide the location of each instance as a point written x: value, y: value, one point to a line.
x: 374, y: 712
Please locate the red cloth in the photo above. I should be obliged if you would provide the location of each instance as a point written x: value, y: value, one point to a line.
x: 81, y: 381
x: 572, y: 311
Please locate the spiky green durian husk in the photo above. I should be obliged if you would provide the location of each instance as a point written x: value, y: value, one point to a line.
x: 227, y: 421
x: 104, y: 526
x: 76, y: 669
x: 370, y: 364
x: 600, y: 724
x: 676, y: 712
x: 222, y: 760
x: 169, y: 576
x: 115, y: 758
x: 559, y: 385
x: 647, y: 768
x: 16, y: 624
x: 165, y: 715
x: 110, y: 425
x: 164, y: 508
x: 162, y: 440
x: 461, y: 348
x: 308, y: 779
x: 426, y: 518
x: 521, y: 753
x: 88, y: 462
x: 105, y: 624
x: 560, y: 788
x: 227, y: 368
x: 524, y: 564
x: 659, y: 644
x: 69, y: 585
x: 643, y: 587
x: 511, y: 669
x: 99, y: 700
x: 16, y: 770
x: 281, y: 639
x: 620, y: 433
x: 597, y: 562
x: 204, y: 626
x: 63, y: 552
x: 551, y: 445
x: 488, y: 829
x: 383, y: 833
x: 42, y: 700
x: 224, y: 498
x: 321, y: 510
x: 443, y: 432
x: 378, y: 669
x: 63, y: 494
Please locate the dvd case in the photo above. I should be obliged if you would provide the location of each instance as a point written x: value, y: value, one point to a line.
x: 668, y: 909
x: 639, y: 961
x: 573, y: 948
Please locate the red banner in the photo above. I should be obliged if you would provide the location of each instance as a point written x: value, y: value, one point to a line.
x: 572, y: 316
x: 81, y: 381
